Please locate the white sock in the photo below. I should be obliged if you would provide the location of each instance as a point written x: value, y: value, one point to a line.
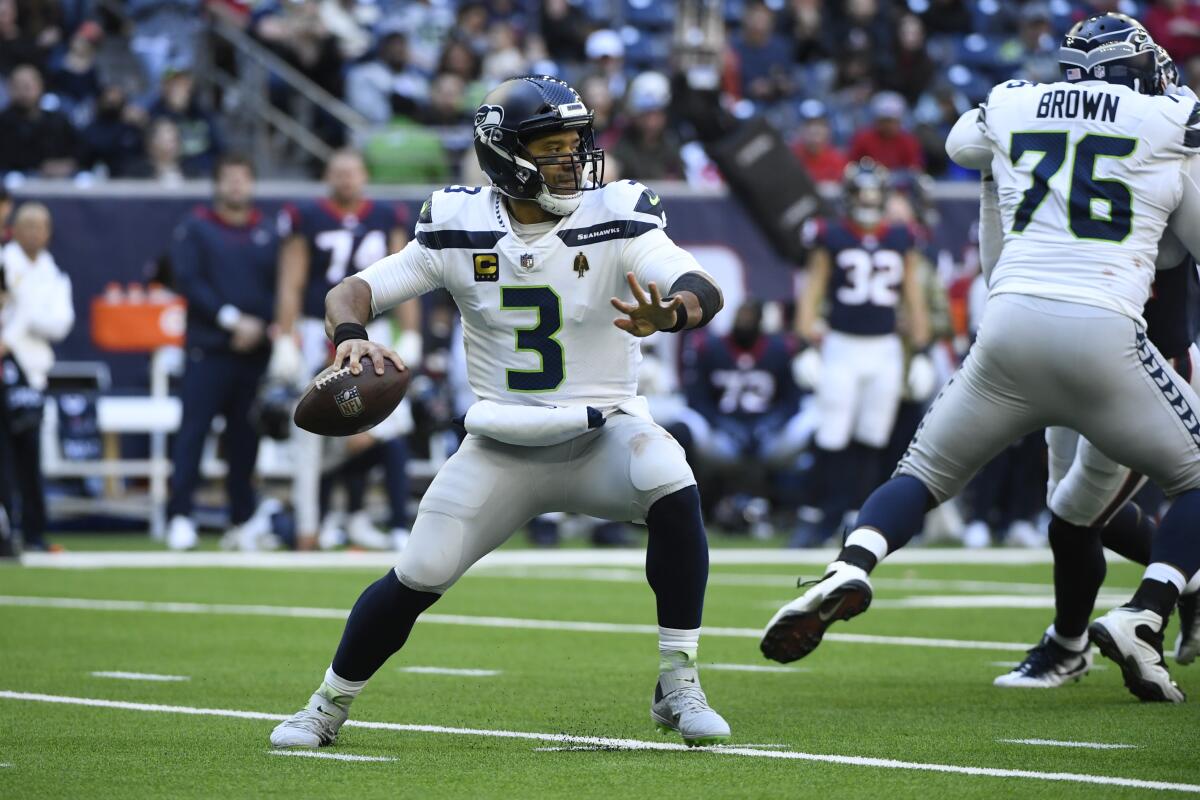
x: 677, y: 647
x: 1165, y: 573
x: 870, y: 539
x: 339, y: 690
x: 1076, y: 644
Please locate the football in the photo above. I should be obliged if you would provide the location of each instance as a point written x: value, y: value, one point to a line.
x: 338, y: 403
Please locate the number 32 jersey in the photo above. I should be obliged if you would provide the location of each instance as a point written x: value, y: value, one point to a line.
x: 339, y: 243
x: 1087, y: 176
x: 867, y: 270
x: 537, y: 322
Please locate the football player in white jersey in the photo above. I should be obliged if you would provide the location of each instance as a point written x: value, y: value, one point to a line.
x: 533, y: 262
x: 1062, y: 340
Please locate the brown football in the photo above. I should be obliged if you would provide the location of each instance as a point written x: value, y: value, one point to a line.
x: 340, y: 404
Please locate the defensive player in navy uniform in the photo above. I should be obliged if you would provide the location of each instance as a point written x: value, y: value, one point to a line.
x: 1063, y: 342
x: 533, y: 262
x: 224, y: 261
x: 860, y: 269
x: 326, y: 240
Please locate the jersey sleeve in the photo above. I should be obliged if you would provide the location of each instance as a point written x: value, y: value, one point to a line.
x: 968, y: 144
x: 654, y: 257
x: 402, y: 276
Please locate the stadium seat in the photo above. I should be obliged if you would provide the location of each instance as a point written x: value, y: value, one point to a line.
x: 405, y: 152
x: 649, y: 14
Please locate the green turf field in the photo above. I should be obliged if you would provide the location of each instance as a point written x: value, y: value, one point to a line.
x: 563, y: 709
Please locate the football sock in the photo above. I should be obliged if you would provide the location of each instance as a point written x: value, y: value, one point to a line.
x: 1176, y: 543
x: 378, y: 626
x: 1079, y: 569
x: 677, y: 559
x: 339, y: 690
x: 896, y: 510
x: 677, y: 648
x: 1129, y: 534
x: 1159, y: 590
x: 864, y: 548
x: 1076, y: 644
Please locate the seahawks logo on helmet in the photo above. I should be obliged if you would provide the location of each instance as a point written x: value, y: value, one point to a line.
x: 488, y: 120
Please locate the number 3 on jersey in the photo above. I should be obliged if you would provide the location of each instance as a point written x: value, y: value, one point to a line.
x: 538, y: 339
x: 1086, y: 191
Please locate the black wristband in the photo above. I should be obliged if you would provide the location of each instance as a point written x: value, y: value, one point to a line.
x: 347, y: 331
x: 681, y: 319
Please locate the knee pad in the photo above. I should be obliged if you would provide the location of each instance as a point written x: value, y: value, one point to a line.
x: 432, y: 558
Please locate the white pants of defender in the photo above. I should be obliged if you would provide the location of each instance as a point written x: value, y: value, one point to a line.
x: 858, y: 393
x: 1086, y: 487
x: 487, y: 490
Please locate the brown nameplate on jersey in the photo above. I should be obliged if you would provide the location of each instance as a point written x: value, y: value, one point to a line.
x: 581, y: 265
x: 487, y: 267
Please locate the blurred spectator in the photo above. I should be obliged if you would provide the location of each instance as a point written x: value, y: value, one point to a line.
x: 32, y: 139
x: 75, y: 80
x: 824, y: 162
x: 1033, y: 53
x: 447, y: 102
x: 596, y: 96
x: 6, y: 203
x: 764, y: 57
x: 936, y: 113
x: 348, y: 22
x: 887, y: 142
x: 295, y: 31
x: 471, y: 26
x: 37, y: 311
x: 606, y: 54
x: 427, y: 24
x: 114, y: 138
x: 198, y: 130
x: 865, y: 26
x: 946, y: 16
x: 564, y: 30
x: 912, y: 68
x: 17, y: 46
x: 460, y: 59
x: 164, y: 35
x: 503, y: 59
x: 161, y: 161
x: 648, y: 150
x: 1175, y: 24
x: 809, y: 30
x: 388, y: 86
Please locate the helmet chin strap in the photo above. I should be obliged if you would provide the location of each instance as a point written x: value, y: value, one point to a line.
x: 559, y: 205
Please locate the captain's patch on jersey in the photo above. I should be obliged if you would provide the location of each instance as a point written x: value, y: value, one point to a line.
x: 487, y: 268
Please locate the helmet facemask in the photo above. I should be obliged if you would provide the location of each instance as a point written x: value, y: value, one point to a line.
x: 562, y: 178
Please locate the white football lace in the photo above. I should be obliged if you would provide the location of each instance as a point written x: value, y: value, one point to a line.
x: 329, y: 377
x: 312, y: 722
x: 690, y: 699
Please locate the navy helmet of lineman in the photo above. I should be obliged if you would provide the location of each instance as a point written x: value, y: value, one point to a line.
x: 1114, y: 48
x: 520, y: 110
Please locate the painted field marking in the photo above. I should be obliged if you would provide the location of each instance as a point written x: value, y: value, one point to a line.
x: 1060, y: 743
x: 633, y: 744
x: 465, y: 673
x: 139, y: 676
x: 330, y: 756
x: 752, y: 668
x: 582, y: 557
x: 300, y: 612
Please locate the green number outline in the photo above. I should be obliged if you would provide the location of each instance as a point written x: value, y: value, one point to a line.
x: 1094, y: 180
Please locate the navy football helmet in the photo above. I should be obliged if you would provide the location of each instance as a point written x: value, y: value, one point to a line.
x: 522, y: 109
x: 1114, y: 48
x: 865, y: 187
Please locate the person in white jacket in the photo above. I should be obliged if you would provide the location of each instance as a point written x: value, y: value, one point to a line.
x: 36, y: 310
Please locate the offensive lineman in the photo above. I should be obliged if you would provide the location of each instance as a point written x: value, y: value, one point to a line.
x: 558, y: 426
x: 1062, y: 340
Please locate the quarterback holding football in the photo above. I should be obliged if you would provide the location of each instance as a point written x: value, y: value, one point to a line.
x: 534, y: 262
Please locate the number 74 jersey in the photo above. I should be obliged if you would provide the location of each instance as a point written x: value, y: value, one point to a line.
x: 1088, y: 175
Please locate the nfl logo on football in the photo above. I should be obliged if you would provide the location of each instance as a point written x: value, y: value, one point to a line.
x: 348, y: 402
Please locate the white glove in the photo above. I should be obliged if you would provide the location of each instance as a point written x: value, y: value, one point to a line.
x: 922, y: 377
x: 287, y: 362
x: 806, y: 368
x: 1181, y: 90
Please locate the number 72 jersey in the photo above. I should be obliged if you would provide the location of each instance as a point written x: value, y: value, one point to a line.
x: 1087, y: 175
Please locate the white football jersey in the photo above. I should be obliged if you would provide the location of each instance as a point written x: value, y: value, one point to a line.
x: 537, y: 321
x: 1088, y: 175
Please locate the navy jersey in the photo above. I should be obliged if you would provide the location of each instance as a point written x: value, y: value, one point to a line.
x: 1168, y: 312
x: 339, y: 244
x: 868, y: 268
x: 217, y: 264
x: 726, y: 382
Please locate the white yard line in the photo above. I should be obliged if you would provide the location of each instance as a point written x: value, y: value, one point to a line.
x: 752, y: 668
x: 330, y: 756
x: 140, y: 676
x: 1059, y: 743
x: 465, y: 673
x: 635, y: 744
x: 956, y: 601
x: 635, y: 558
x: 471, y: 621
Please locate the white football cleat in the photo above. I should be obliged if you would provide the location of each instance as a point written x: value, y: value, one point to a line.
x: 362, y: 533
x: 976, y: 536
x: 400, y: 538
x: 1046, y: 666
x: 1187, y: 646
x: 181, y: 534
x: 315, y: 725
x: 332, y: 534
x: 1023, y: 533
x: 680, y: 706
x: 797, y: 628
x: 1132, y: 637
